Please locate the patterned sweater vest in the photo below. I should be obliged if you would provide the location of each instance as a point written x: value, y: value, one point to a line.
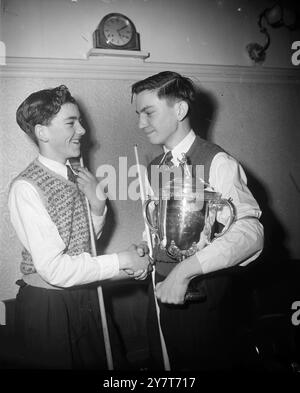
x: 200, y: 153
x: 66, y: 206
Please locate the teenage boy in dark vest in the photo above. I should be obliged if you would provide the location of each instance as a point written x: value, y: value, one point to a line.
x: 57, y: 312
x: 198, y: 335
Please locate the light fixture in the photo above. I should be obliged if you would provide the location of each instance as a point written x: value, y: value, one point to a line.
x: 276, y: 16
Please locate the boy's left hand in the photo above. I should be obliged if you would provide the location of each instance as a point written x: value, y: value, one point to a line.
x: 89, y: 185
x: 173, y: 289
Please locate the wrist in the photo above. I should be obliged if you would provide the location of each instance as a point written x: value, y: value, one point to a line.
x: 98, y: 208
x: 123, y: 260
x: 190, y: 268
x: 183, y: 273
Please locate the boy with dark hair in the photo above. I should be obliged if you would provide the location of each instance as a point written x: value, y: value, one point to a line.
x: 168, y: 85
x: 198, y: 335
x: 57, y: 312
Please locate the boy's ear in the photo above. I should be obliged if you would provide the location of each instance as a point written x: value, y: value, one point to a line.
x: 182, y: 110
x: 41, y: 132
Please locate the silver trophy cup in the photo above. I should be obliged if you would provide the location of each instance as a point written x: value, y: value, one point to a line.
x: 183, y: 217
x: 184, y: 226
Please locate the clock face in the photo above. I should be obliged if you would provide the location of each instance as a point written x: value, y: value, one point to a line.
x: 117, y: 30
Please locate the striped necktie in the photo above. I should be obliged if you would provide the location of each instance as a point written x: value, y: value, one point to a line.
x: 71, y: 175
x: 167, y: 160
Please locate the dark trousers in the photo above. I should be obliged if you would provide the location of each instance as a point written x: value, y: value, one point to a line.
x: 61, y: 329
x: 198, y: 335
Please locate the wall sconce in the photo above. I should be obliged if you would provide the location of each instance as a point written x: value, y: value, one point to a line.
x: 276, y: 16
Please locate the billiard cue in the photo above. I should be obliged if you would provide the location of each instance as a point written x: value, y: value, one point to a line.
x: 107, y: 345
x: 149, y: 243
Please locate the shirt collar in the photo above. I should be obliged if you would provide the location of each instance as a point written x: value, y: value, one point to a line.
x: 54, y: 166
x: 182, y: 147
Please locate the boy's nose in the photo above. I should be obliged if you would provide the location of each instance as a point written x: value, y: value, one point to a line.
x: 80, y: 130
x: 142, y: 121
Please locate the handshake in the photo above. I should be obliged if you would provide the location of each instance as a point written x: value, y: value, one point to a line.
x: 135, y: 261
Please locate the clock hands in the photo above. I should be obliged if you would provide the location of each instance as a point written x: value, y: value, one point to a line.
x: 122, y: 36
x: 118, y: 30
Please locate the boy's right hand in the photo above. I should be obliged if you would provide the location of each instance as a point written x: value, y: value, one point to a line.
x: 134, y: 260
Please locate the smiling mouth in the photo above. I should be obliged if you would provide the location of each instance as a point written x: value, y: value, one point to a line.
x: 76, y: 142
x: 149, y: 133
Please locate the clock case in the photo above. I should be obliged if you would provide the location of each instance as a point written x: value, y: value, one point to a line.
x: 99, y: 39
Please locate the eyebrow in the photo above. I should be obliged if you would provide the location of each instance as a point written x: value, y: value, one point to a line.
x: 145, y: 108
x: 72, y: 118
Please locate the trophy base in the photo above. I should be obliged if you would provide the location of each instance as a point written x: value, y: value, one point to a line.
x: 174, y: 251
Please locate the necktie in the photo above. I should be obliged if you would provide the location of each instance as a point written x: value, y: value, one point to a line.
x: 167, y: 160
x: 71, y: 176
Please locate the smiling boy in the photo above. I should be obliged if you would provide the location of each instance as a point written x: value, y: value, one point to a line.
x: 57, y: 313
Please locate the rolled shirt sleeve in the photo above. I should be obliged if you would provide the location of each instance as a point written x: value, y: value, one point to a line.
x: 243, y: 242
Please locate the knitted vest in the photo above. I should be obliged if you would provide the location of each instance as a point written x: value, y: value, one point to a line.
x: 66, y: 206
x: 200, y: 153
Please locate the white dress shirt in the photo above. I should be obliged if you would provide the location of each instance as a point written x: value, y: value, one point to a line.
x: 40, y: 236
x: 243, y: 242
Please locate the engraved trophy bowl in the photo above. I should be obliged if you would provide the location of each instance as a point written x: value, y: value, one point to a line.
x: 183, y: 219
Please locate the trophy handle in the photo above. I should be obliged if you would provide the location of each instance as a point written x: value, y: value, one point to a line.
x: 146, y: 215
x: 232, y: 216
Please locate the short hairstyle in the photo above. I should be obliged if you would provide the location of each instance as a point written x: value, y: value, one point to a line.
x: 169, y: 85
x: 40, y: 108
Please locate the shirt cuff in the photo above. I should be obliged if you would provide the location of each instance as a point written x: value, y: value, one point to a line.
x: 116, y: 263
x: 109, y: 266
x: 96, y: 217
x: 98, y: 222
